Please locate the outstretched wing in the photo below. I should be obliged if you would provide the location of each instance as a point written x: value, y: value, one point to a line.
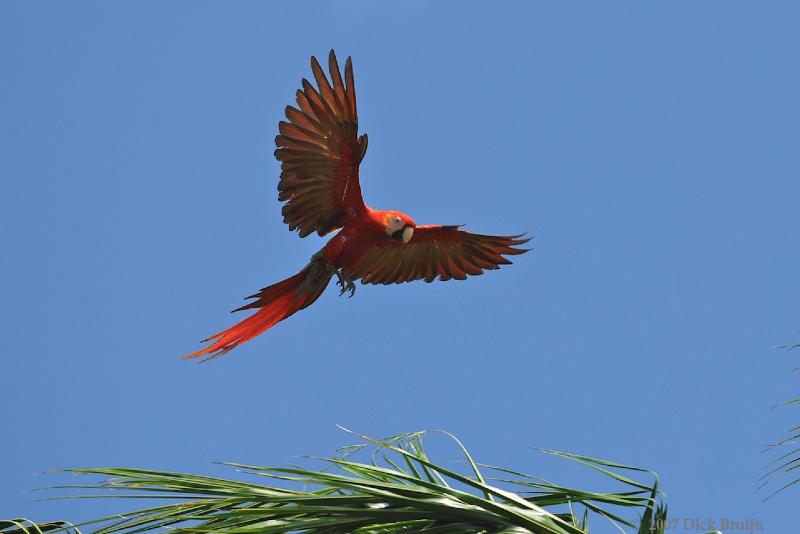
x: 320, y: 151
x: 443, y: 251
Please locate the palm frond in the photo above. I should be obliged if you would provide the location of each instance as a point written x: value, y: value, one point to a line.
x: 26, y: 526
x: 396, y: 488
x: 788, y: 463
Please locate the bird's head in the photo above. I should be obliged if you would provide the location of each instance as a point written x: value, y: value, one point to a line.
x: 399, y: 226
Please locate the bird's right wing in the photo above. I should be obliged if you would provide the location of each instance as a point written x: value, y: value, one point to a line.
x: 320, y: 151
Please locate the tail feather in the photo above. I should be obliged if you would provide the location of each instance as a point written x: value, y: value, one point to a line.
x: 275, y: 303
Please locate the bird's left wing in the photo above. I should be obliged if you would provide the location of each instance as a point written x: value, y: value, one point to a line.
x: 436, y: 251
x: 320, y: 152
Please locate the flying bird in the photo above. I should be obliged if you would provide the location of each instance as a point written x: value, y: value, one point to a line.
x: 320, y: 151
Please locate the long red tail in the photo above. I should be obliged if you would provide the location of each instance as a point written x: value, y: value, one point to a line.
x: 275, y: 303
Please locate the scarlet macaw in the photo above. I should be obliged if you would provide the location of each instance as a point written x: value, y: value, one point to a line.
x: 320, y: 150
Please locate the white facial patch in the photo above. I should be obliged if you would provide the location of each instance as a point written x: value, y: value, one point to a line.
x: 394, y: 224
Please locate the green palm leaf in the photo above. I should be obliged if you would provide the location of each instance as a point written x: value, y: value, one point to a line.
x: 397, y: 488
x: 788, y: 463
x: 26, y: 526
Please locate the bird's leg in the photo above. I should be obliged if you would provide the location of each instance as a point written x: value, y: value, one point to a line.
x: 345, y: 282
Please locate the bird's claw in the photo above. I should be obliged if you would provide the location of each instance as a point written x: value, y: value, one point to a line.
x: 345, y: 283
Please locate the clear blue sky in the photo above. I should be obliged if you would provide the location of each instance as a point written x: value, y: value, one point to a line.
x: 650, y: 148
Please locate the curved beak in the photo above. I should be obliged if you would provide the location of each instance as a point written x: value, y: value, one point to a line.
x: 408, y: 233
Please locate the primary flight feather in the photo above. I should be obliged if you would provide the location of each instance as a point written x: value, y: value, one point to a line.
x: 320, y: 151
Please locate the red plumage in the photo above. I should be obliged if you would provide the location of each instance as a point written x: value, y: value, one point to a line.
x: 320, y: 152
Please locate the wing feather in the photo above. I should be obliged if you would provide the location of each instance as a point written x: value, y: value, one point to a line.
x: 442, y: 252
x: 350, y: 91
x: 325, y: 88
x: 338, y: 85
x: 320, y: 151
x: 295, y: 131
